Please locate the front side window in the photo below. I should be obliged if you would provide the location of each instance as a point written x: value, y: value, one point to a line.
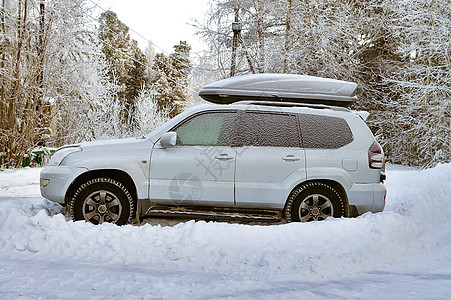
x: 207, y: 129
x: 264, y: 129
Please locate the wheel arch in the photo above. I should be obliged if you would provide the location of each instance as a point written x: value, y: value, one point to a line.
x: 332, y: 183
x: 118, y: 175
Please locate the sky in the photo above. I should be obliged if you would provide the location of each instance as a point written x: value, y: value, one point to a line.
x: 165, y: 22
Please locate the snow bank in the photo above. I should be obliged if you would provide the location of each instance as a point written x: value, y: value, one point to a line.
x: 413, y: 228
x: 20, y: 183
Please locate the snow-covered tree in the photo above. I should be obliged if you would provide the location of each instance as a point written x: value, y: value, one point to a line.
x: 171, y: 79
x: 126, y: 62
x: 149, y: 53
x: 25, y: 113
x: 309, y: 37
x: 396, y: 50
x: 420, y: 103
x: 148, y: 116
x: 51, y: 76
x: 77, y: 80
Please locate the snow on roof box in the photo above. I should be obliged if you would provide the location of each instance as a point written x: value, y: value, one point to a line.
x: 280, y: 87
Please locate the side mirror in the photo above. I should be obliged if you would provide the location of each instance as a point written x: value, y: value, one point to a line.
x: 169, y: 139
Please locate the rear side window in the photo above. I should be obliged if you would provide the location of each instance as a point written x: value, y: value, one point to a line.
x: 267, y: 130
x: 324, y: 132
x: 208, y: 129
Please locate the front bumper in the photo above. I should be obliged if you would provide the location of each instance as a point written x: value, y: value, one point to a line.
x: 57, y: 180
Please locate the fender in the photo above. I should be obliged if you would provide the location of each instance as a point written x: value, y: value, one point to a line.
x: 334, y: 174
x: 136, y: 170
x: 316, y: 174
x: 312, y: 174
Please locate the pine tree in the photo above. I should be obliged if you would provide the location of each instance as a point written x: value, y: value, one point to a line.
x: 127, y: 63
x: 171, y: 79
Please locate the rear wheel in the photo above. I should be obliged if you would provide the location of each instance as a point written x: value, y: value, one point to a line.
x: 102, y: 200
x: 314, y: 201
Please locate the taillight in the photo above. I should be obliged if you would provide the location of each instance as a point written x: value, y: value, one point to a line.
x: 375, y: 156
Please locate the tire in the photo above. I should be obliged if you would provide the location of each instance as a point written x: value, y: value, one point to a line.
x: 102, y: 200
x: 314, y: 201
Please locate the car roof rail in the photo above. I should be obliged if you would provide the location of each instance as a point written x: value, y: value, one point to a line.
x: 290, y: 104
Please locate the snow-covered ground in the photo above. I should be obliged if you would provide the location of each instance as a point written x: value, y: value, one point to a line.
x: 404, y: 252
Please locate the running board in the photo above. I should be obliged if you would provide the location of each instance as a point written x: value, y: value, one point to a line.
x: 215, y: 214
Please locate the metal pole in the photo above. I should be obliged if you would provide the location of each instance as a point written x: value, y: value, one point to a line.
x: 236, y: 27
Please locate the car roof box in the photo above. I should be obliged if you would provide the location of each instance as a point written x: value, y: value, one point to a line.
x: 280, y: 87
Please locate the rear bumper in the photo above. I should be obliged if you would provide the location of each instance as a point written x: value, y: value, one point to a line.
x: 379, y: 197
x: 368, y: 197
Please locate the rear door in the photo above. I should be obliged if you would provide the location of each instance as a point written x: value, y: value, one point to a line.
x: 269, y: 157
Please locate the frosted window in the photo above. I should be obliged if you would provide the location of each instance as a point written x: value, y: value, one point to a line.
x: 324, y: 132
x: 267, y: 129
x: 209, y: 129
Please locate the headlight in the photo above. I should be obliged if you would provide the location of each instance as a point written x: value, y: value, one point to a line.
x: 59, y: 155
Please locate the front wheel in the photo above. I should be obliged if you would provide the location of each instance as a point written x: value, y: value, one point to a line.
x: 314, y: 201
x: 102, y: 200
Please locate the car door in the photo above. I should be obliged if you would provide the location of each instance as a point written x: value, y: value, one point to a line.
x: 269, y: 159
x: 199, y: 169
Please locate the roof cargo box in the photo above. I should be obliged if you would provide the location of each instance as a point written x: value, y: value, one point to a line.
x: 280, y: 87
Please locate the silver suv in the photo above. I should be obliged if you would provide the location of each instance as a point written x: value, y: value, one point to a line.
x: 245, y: 160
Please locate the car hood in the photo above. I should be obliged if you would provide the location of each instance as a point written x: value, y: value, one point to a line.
x: 109, y: 153
x: 111, y: 144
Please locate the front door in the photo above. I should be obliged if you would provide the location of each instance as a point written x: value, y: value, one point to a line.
x: 199, y: 170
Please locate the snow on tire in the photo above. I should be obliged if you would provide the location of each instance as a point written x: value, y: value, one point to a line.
x: 102, y: 200
x: 314, y: 201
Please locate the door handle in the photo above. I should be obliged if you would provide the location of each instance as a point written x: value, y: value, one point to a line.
x: 291, y: 158
x: 223, y: 156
